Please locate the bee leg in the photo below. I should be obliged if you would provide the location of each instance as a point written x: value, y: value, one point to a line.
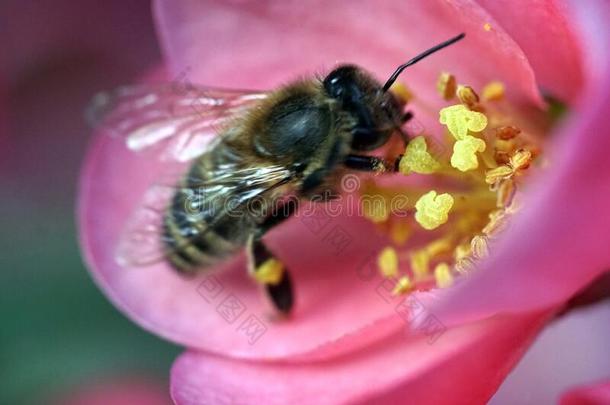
x: 265, y: 268
x: 371, y: 163
x: 406, y: 117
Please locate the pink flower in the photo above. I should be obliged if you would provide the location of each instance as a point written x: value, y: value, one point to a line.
x: 345, y: 343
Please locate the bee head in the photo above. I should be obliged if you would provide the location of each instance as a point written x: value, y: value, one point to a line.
x: 377, y: 113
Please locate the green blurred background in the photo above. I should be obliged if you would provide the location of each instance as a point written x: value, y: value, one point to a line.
x: 58, y: 331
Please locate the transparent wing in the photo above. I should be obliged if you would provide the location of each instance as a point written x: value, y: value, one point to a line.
x: 229, y: 189
x: 182, y: 118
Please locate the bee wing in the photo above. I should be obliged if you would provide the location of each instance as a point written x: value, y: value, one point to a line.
x: 143, y: 241
x: 182, y: 118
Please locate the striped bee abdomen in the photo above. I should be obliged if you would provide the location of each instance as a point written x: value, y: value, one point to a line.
x: 203, y: 223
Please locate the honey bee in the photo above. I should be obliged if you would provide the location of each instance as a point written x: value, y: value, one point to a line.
x: 237, y: 147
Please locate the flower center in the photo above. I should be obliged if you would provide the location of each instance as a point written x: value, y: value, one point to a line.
x: 477, y: 171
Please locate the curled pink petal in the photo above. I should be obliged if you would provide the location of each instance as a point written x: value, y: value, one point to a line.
x: 558, y: 244
x: 128, y: 390
x: 542, y: 28
x: 465, y: 365
x: 249, y: 44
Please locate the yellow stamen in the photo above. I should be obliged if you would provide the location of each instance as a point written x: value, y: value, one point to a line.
x: 420, y: 262
x: 507, y: 132
x: 269, y: 272
x: 388, y: 262
x: 493, y: 91
x: 480, y: 247
x: 376, y: 211
x: 417, y: 158
x: 467, y: 96
x: 433, y: 210
x: 400, y: 232
x: 497, y: 174
x: 446, y: 86
x: 402, y: 286
x: 459, y: 120
x: 506, y: 192
x: 464, y: 156
x: 487, y: 27
x: 461, y: 251
x: 439, y: 246
x: 442, y: 274
x: 521, y: 159
x: 402, y: 92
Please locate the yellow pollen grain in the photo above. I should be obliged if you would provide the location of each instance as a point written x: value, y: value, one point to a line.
x: 487, y: 27
x: 269, y: 272
x: 402, y: 92
x: 432, y: 210
x: 403, y: 285
x: 493, y: 91
x: 400, y: 231
x: 446, y: 86
x: 420, y: 264
x: 498, y: 173
x: 467, y: 96
x: 459, y: 120
x: 388, y: 262
x: 465, y: 150
x: 417, y: 159
x: 442, y: 275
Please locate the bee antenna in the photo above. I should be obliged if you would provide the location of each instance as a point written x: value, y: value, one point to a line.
x: 419, y: 57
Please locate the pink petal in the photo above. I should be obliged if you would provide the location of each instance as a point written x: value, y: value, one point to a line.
x: 596, y: 394
x: 254, y: 45
x: 464, y: 366
x: 236, y: 46
x: 543, y: 30
x: 558, y: 244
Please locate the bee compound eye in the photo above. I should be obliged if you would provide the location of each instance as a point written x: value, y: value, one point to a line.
x: 339, y: 81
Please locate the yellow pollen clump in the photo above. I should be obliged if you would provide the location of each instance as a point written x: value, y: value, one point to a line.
x: 269, y: 272
x: 433, y: 210
x: 442, y: 275
x: 402, y: 286
x: 417, y: 158
x: 446, y: 86
x: 487, y: 26
x: 400, y: 232
x: 388, y: 262
x: 459, y: 120
x: 467, y: 96
x: 464, y: 156
x: 402, y: 92
x: 493, y: 91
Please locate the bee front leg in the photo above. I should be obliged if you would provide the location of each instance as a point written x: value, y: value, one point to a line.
x: 265, y: 268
